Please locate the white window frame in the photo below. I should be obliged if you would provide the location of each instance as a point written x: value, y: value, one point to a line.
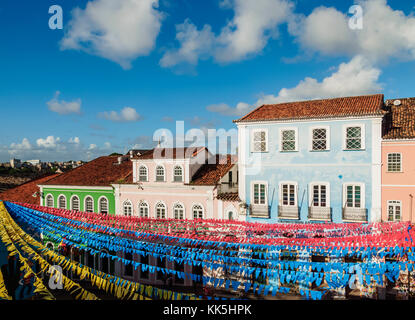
x: 165, y: 210
x: 253, y: 183
x: 328, y: 145
x: 79, y: 203
x: 281, y: 130
x: 139, y: 175
x: 387, y: 162
x: 126, y: 202
x: 394, y: 203
x: 66, y: 201
x: 253, y: 142
x: 183, y: 208
x: 295, y: 184
x: 139, y: 209
x: 174, y: 173
x: 164, y: 171
x: 203, y: 210
x: 53, y: 200
x: 99, y: 204
x: 363, y: 136
x: 311, y: 193
x: 362, y: 195
x: 93, y: 203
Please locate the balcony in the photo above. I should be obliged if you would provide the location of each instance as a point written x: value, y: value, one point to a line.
x: 319, y: 213
x: 354, y: 214
x: 289, y: 212
x: 259, y: 211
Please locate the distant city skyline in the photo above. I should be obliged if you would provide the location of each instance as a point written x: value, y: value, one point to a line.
x: 118, y: 71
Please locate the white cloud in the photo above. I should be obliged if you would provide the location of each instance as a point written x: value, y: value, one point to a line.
x: 25, y: 145
x: 357, y: 77
x: 64, y: 107
x: 225, y: 110
x: 54, y: 148
x: 119, y: 30
x: 127, y: 114
x: 253, y: 24
x: 195, y: 45
x: 74, y: 140
x: 386, y: 32
x: 50, y: 142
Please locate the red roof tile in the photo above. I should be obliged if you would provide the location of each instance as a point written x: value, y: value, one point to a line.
x: 99, y: 172
x: 210, y: 174
x: 327, y: 108
x: 24, y: 193
x: 229, y: 196
x: 170, y: 153
x: 399, y: 123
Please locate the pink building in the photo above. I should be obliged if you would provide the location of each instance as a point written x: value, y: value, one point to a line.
x: 398, y: 161
x: 178, y: 183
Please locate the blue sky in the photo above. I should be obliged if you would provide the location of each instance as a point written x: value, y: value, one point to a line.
x: 120, y: 70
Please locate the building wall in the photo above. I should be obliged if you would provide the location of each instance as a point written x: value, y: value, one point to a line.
x: 334, y: 166
x: 399, y: 186
x: 96, y: 194
x: 169, y: 195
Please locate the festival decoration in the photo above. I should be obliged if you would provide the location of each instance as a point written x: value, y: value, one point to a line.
x: 280, y: 252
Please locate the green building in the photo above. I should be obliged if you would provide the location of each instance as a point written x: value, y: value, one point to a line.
x: 88, y: 187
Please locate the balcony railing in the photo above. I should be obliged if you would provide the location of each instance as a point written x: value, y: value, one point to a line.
x: 258, y: 211
x: 355, y: 214
x: 289, y: 212
x: 319, y: 213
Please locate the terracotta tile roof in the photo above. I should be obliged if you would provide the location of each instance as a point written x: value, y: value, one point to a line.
x: 24, y: 193
x: 229, y: 196
x: 170, y: 153
x: 399, y: 123
x: 327, y: 108
x: 99, y: 172
x: 210, y: 174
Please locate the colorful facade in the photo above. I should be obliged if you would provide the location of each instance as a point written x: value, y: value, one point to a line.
x: 88, y: 187
x: 315, y: 161
x: 179, y: 186
x: 398, y: 154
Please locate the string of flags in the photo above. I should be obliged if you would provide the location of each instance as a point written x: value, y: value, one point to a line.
x: 281, y: 253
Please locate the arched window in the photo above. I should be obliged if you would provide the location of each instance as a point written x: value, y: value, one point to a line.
x: 178, y: 211
x: 75, y: 203
x: 62, y: 202
x: 127, y: 208
x: 103, y: 205
x: 197, y: 211
x: 89, y: 204
x: 143, y: 209
x: 230, y: 215
x: 142, y: 174
x: 160, y: 173
x: 50, y: 246
x: 49, y: 200
x: 178, y: 174
x: 160, y: 211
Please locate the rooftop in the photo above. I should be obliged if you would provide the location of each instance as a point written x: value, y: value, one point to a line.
x: 370, y: 105
x: 210, y: 174
x: 99, y: 172
x: 170, y: 153
x: 24, y: 193
x: 399, y: 123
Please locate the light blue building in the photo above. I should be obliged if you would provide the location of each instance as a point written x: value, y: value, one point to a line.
x: 312, y: 161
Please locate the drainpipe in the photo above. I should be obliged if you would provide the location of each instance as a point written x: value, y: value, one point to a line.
x: 412, y: 198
